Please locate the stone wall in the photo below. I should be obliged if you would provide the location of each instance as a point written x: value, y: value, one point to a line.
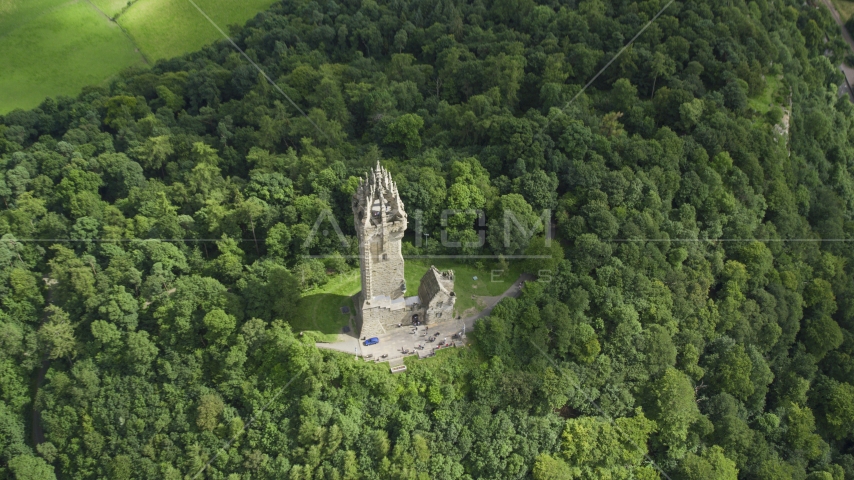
x: 387, y: 268
x: 382, y: 261
x: 377, y: 321
x: 436, y: 313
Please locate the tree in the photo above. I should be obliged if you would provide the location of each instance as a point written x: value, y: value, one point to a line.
x: 624, y: 95
x: 800, y: 432
x: 400, y: 39
x: 822, y: 335
x: 208, y: 411
x: 691, y: 112
x: 141, y: 351
x: 278, y: 240
x: 252, y: 210
x: 547, y: 467
x: 57, y: 334
x: 840, y: 410
x: 659, y: 350
x: 405, y: 130
x: 29, y: 467
x: 271, y: 187
x: 602, y: 448
x: 512, y: 225
x: 735, y: 95
x: 283, y: 291
x: 219, y: 325
x: 711, y: 464
x: 660, y: 66
x: 673, y: 407
x: 539, y: 189
x: 731, y: 371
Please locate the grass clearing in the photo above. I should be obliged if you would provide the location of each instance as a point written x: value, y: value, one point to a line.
x: 845, y: 8
x: 762, y: 102
x: 59, y: 52
x: 167, y: 28
x: 319, y: 309
x: 491, y: 281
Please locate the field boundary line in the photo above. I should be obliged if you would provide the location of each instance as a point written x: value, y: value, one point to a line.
x: 127, y: 35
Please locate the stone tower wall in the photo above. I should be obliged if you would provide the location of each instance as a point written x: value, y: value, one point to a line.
x: 378, y: 321
x: 380, y: 221
x: 382, y: 270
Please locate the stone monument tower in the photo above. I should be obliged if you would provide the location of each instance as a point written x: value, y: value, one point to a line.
x: 380, y: 222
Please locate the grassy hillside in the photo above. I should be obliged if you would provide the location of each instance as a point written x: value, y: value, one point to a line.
x: 56, y: 47
x: 166, y: 28
x: 57, y: 50
x: 15, y: 13
x: 319, y: 310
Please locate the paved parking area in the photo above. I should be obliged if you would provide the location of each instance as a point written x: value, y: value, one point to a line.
x: 408, y: 338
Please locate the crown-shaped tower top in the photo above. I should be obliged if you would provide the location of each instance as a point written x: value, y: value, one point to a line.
x: 376, y: 201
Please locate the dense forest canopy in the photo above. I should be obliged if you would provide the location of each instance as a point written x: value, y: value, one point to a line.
x: 700, y: 289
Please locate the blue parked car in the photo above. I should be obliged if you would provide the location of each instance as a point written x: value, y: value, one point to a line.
x: 372, y: 341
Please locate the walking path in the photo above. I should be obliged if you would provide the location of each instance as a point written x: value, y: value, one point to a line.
x: 407, y: 337
x: 122, y: 29
x: 514, y: 291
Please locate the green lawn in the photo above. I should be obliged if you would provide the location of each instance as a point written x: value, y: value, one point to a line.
x: 167, y: 28
x: 319, y: 310
x: 58, y: 52
x: 464, y: 283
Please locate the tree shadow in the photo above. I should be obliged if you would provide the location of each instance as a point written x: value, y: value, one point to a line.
x: 322, y: 313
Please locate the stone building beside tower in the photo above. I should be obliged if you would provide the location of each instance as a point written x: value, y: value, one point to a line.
x: 380, y: 222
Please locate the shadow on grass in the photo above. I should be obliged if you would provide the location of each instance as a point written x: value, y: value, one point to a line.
x: 321, y: 314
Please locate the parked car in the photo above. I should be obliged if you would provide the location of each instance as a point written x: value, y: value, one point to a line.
x: 372, y: 341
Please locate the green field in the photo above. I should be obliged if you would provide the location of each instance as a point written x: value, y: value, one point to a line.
x: 56, y: 47
x: 68, y: 46
x: 179, y: 27
x: 16, y: 13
